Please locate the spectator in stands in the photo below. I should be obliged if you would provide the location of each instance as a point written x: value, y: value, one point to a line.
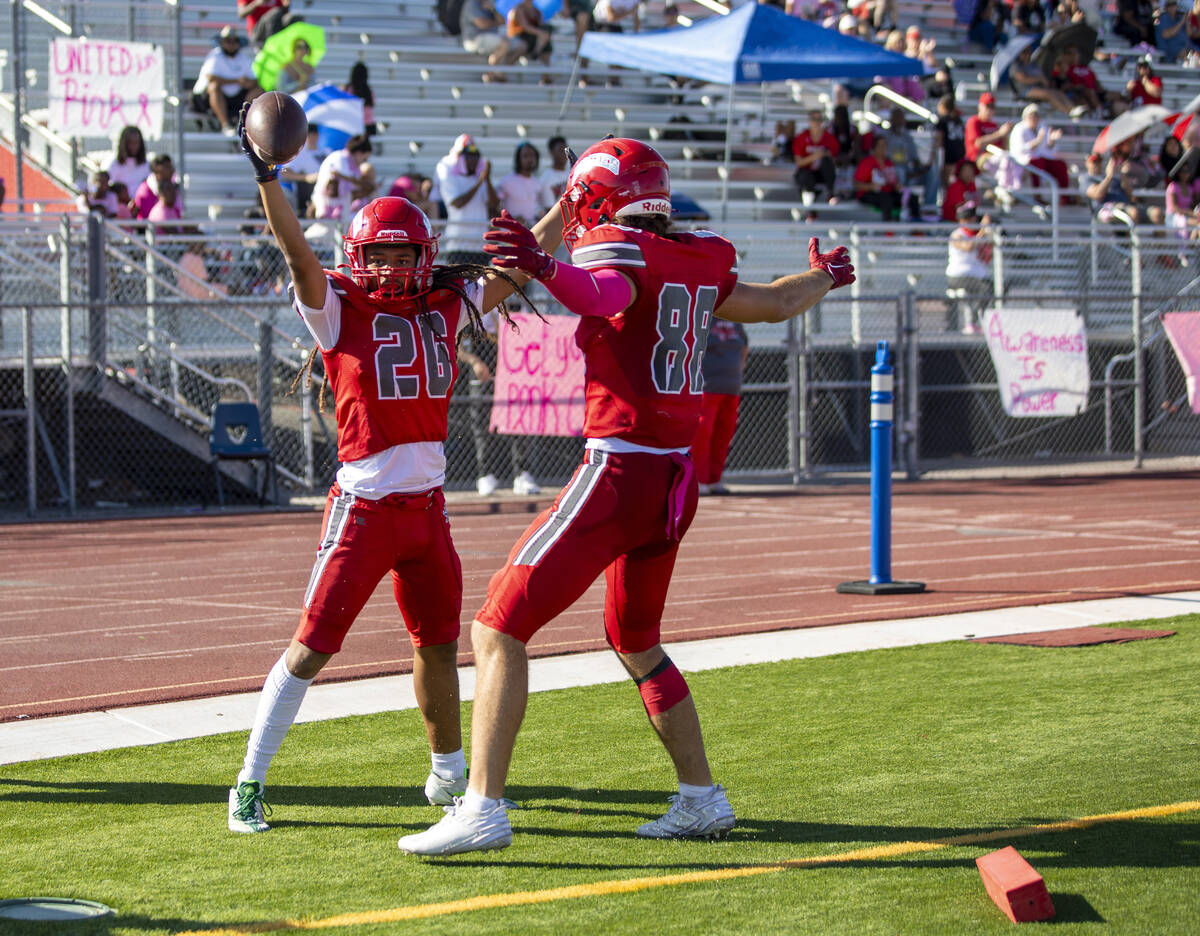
x: 1168, y: 154
x: 226, y: 80
x: 1113, y: 194
x: 1135, y: 21
x: 296, y: 73
x: 1028, y: 18
x: 554, y: 177
x: 342, y: 179
x: 1170, y: 31
x: 264, y: 18
x: 608, y: 15
x: 167, y: 207
x: 149, y: 193
x: 416, y: 188
x: 911, y: 171
x: 1181, y: 213
x: 464, y: 185
x: 814, y: 151
x: 1145, y: 87
x: 129, y: 164
x: 1032, y: 143
x: 124, y: 201
x: 940, y: 83
x: 580, y: 13
x: 483, y: 33
x: 960, y: 190
x: 916, y: 47
x: 875, y: 181
x: 1081, y: 81
x: 948, y: 137
x: 969, y: 269
x: 300, y: 175
x: 99, y: 197
x: 986, y: 28
x: 982, y: 130
x: 360, y: 87
x: 1030, y: 84
x: 723, y: 365
x: 1193, y: 30
x: 529, y: 35
x: 521, y: 192
x: 908, y: 85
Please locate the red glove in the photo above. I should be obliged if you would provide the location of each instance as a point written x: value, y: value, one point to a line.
x: 513, y: 246
x: 836, y: 263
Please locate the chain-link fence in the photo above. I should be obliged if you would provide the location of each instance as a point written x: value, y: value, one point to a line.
x: 115, y: 342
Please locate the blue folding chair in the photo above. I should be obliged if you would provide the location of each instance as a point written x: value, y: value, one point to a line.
x: 237, y: 434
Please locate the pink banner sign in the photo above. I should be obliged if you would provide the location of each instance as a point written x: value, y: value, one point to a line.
x: 539, y: 378
x: 1183, y: 329
x: 98, y: 87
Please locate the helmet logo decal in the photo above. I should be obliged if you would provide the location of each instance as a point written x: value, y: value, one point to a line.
x: 599, y: 160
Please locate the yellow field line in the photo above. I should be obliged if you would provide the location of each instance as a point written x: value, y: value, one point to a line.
x: 602, y: 888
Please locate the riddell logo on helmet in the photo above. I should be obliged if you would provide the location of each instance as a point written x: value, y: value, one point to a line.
x: 646, y: 206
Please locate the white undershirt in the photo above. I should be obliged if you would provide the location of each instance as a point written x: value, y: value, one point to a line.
x: 408, y: 468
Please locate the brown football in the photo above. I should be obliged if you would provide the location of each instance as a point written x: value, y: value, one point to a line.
x: 276, y: 127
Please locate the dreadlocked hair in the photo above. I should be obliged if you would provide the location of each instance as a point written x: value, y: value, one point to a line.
x: 449, y: 278
x: 651, y: 223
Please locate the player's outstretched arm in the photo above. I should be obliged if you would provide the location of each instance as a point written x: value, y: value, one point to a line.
x: 792, y: 295
x: 307, y: 275
x: 548, y: 234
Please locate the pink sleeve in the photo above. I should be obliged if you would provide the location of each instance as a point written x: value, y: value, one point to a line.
x: 605, y: 292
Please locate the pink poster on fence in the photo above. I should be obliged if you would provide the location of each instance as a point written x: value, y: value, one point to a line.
x: 1183, y: 328
x: 539, y: 378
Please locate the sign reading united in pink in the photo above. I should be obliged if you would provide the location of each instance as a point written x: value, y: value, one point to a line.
x: 539, y: 377
x: 97, y: 87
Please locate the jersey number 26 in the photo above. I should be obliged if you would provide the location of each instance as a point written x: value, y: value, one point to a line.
x: 399, y: 351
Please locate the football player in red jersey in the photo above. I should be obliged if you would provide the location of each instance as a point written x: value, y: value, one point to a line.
x: 644, y: 296
x: 387, y: 334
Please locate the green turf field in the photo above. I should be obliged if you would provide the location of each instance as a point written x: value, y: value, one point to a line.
x: 851, y: 755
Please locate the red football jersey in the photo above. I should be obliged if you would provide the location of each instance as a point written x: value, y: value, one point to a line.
x: 642, y: 367
x: 391, y: 370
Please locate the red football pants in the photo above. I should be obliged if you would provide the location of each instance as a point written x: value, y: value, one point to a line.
x: 710, y: 448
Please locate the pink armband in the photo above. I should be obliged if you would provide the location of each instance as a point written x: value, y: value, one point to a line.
x: 605, y: 292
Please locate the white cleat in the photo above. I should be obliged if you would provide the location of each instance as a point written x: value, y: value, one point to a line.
x: 710, y: 817
x: 461, y: 831
x: 441, y: 792
x: 246, y: 804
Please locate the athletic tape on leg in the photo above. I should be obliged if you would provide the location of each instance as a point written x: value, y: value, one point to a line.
x: 662, y: 688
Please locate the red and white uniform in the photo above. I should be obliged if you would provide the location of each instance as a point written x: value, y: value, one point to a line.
x: 634, y: 496
x: 392, y: 366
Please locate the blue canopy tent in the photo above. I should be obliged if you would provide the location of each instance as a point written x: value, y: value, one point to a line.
x: 753, y: 44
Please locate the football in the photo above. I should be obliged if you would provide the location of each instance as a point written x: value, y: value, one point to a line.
x: 276, y: 127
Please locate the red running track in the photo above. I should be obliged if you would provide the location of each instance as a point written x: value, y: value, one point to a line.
x: 117, y: 612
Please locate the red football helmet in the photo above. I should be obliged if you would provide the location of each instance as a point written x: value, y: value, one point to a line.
x: 391, y: 220
x: 612, y: 179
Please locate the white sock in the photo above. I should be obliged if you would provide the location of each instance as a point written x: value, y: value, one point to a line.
x: 281, y: 696
x: 449, y: 766
x: 689, y: 791
x: 474, y: 803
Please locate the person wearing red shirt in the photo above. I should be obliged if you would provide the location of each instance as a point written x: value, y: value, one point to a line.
x: 254, y: 12
x: 1146, y: 87
x: 814, y: 151
x: 875, y: 181
x: 960, y: 190
x: 386, y: 330
x: 1080, y: 78
x: 982, y: 129
x: 645, y: 295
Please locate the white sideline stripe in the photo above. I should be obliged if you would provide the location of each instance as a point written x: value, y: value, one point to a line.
x: 59, y: 736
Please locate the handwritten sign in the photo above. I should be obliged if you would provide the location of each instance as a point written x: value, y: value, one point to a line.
x: 1041, y: 360
x: 539, y: 378
x: 98, y: 87
x: 1183, y: 330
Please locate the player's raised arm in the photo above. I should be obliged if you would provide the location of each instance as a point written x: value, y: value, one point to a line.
x: 544, y: 238
x: 307, y: 274
x: 792, y: 295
